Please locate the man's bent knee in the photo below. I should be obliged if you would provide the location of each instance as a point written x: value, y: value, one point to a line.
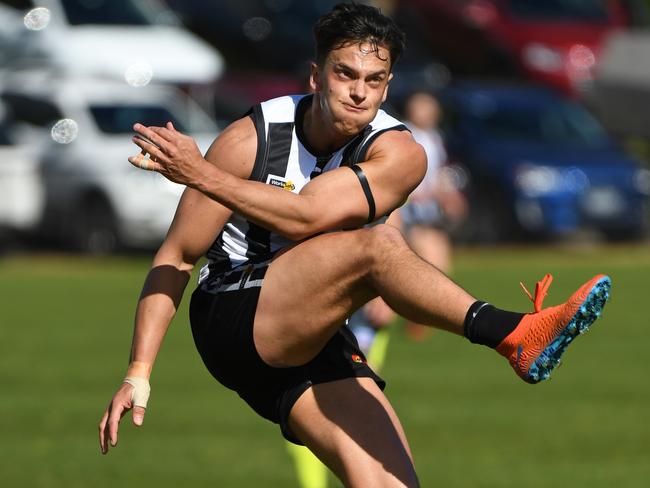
x: 384, y: 238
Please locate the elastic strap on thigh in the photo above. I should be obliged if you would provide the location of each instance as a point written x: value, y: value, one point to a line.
x: 366, y: 191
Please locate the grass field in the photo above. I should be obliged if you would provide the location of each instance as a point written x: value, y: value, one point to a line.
x: 65, y: 331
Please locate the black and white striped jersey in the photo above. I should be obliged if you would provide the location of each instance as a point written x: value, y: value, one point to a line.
x: 284, y: 159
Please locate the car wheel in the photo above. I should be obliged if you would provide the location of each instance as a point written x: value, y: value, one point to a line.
x: 95, y: 228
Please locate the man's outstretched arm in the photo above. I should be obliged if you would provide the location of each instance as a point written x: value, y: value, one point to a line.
x: 197, y: 222
x: 188, y: 239
x: 334, y: 200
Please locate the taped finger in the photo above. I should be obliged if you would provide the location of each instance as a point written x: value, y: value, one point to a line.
x: 141, y: 390
x: 142, y: 161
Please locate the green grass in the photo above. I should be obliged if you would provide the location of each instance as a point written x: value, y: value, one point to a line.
x: 65, y: 331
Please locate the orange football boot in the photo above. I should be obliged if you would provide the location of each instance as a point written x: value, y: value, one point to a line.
x: 535, y: 346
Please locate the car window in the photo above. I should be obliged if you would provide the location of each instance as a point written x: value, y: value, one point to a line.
x: 119, y: 119
x: 4, y: 136
x: 572, y: 123
x: 555, y: 123
x: 580, y: 10
x: 512, y: 123
x: 31, y: 110
x: 111, y: 12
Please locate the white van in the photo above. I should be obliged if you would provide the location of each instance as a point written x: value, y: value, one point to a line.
x: 105, y: 37
x: 21, y: 191
x: 93, y: 199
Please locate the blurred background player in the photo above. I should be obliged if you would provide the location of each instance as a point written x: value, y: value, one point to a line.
x: 432, y: 210
x: 436, y: 205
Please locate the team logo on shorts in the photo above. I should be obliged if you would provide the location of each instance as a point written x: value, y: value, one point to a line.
x: 280, y: 182
x: 358, y: 359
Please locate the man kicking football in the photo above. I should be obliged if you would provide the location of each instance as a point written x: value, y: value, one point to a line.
x: 280, y: 206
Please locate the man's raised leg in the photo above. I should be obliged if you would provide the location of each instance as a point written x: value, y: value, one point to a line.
x: 312, y: 288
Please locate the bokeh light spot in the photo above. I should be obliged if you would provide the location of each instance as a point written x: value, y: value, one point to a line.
x: 138, y: 74
x: 65, y: 131
x: 37, y: 18
x: 257, y: 28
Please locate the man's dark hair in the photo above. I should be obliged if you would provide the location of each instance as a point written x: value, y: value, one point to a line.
x: 353, y: 23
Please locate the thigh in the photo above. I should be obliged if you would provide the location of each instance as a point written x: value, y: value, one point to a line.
x: 351, y: 426
x: 308, y: 292
x: 222, y: 327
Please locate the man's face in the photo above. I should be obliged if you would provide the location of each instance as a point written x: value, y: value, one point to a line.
x: 352, y: 84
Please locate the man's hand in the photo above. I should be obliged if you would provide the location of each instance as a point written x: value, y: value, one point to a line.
x: 172, y: 154
x: 124, y: 400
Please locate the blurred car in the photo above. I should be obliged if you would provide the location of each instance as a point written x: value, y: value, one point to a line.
x: 94, y: 200
x: 540, y: 165
x: 552, y: 42
x: 21, y: 192
x: 11, y: 27
x: 106, y: 38
x: 622, y: 84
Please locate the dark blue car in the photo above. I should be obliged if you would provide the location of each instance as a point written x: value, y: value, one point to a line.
x: 540, y: 165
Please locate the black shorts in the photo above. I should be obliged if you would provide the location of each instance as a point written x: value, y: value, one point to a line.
x: 222, y: 326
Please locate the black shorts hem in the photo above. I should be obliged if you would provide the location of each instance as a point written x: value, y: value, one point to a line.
x: 292, y: 395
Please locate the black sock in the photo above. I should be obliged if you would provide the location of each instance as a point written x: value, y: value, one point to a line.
x: 488, y: 325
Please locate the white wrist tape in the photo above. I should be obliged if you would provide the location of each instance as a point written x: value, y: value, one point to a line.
x: 141, y: 390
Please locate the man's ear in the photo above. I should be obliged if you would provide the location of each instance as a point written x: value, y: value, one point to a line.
x: 314, y: 78
x: 385, y: 95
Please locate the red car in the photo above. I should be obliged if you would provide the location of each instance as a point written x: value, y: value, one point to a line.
x: 553, y: 42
